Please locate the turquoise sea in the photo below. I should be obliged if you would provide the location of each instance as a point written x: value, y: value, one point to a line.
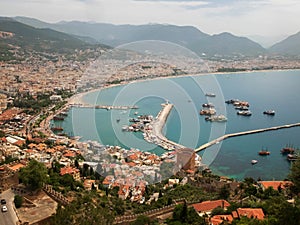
x: 277, y: 90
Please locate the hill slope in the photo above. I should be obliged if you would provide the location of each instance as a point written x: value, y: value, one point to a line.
x: 224, y: 44
x: 21, y: 40
x: 289, y: 46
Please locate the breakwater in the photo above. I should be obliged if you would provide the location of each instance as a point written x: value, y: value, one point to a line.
x: 155, y: 136
x: 217, y: 140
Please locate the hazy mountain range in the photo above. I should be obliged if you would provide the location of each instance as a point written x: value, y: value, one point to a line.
x: 224, y: 44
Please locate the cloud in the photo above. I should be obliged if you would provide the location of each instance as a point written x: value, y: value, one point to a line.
x: 241, y: 17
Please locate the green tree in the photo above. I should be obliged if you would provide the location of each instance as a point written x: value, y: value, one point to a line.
x: 295, y: 175
x: 34, y: 175
x: 224, y: 192
x: 142, y: 220
x: 218, y: 211
x: 2, y: 134
x: 76, y: 163
x: 18, y: 200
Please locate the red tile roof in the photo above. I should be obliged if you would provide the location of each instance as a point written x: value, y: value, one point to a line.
x: 235, y: 214
x: 228, y: 218
x: 68, y: 170
x: 70, y: 154
x: 251, y: 213
x: 108, y: 180
x: 215, y: 221
x: 210, y: 205
x: 275, y: 184
x: 19, y: 143
x: 16, y: 167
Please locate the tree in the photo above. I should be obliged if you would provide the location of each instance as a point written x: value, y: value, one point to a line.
x: 224, y: 192
x: 76, y: 164
x: 295, y: 175
x: 2, y: 134
x: 18, y: 200
x: 142, y: 220
x: 184, y: 212
x: 34, y: 175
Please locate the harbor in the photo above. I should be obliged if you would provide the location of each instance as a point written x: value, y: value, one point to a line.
x: 243, y: 148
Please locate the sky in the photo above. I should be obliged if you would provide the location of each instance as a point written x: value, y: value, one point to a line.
x: 269, y: 18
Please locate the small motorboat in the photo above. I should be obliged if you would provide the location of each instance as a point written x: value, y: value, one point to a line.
x: 210, y: 95
x: 269, y: 112
x: 254, y: 161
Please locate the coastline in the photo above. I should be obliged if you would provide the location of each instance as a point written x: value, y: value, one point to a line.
x: 77, y: 98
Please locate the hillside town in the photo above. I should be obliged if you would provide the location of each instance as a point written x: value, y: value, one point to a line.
x: 100, y: 168
x: 47, y: 177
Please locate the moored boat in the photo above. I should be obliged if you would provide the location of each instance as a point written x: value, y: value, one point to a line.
x: 244, y: 113
x: 287, y: 150
x: 207, y: 105
x: 58, y: 118
x: 134, y: 120
x: 292, y: 157
x: 264, y: 152
x: 57, y: 129
x: 245, y: 108
x: 231, y: 101
x: 269, y: 112
x: 254, y: 161
x: 210, y: 94
x: 218, y: 118
x: 208, y: 112
x: 241, y: 103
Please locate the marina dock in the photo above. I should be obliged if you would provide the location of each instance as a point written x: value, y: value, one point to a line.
x: 215, y: 141
x: 155, y: 135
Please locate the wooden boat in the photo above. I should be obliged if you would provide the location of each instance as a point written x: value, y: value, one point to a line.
x: 289, y: 149
x: 264, y: 152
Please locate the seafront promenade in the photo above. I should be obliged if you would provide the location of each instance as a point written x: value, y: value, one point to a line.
x: 155, y: 135
x: 215, y: 141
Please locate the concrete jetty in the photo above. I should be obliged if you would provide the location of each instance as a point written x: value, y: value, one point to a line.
x: 155, y: 135
x: 215, y: 141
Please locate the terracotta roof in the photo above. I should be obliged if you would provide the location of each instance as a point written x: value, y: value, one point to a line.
x: 9, y: 114
x: 88, y: 183
x: 108, y: 180
x: 210, y: 205
x: 70, y: 154
x: 134, y: 156
x: 251, y: 213
x: 228, y: 218
x: 68, y: 170
x: 32, y: 145
x: 16, y: 167
x: 275, y: 184
x: 132, y: 164
x: 235, y: 214
x: 215, y: 221
x: 19, y: 143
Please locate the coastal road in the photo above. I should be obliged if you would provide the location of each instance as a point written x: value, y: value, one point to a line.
x: 9, y: 217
